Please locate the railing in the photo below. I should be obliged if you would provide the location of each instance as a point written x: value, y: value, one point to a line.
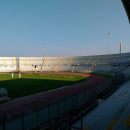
x: 35, y: 117
x: 65, y: 120
x: 122, y: 66
x: 112, y: 89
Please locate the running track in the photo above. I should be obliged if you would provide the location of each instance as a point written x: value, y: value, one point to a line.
x: 25, y: 104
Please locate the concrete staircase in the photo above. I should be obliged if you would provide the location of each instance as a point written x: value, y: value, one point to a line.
x: 69, y: 61
x: 96, y: 60
x: 124, y: 121
x: 112, y: 60
x: 88, y: 60
x: 61, y: 61
x: 105, y: 59
x: 45, y: 62
x: 126, y: 69
x: 54, y: 68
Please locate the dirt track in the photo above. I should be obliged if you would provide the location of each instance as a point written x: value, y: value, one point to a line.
x: 31, y: 102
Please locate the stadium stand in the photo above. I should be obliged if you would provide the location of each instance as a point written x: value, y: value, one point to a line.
x: 104, y: 67
x: 7, y: 64
x: 110, y: 114
x: 86, y: 67
x: 69, y: 61
x: 66, y: 68
x: 100, y: 60
x: 54, y: 68
x: 113, y: 62
x: 48, y: 61
x: 78, y: 60
x: 47, y: 68
x: 96, y: 60
x: 88, y: 60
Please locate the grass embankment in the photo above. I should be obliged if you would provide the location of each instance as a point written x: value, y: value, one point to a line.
x: 31, y: 83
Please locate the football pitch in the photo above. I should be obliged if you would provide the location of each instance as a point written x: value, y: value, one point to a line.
x: 32, y: 83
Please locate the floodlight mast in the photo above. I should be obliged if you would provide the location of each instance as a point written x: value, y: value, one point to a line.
x: 44, y: 58
x: 12, y: 69
x: 44, y: 52
x: 120, y: 47
x: 109, y: 42
x: 66, y: 54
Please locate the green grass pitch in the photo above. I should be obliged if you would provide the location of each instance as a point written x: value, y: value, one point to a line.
x: 32, y: 83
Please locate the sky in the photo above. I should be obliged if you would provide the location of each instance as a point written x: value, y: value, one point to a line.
x: 79, y: 27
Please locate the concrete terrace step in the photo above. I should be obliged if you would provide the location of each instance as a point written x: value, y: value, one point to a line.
x: 113, y: 107
x: 121, y: 124
x: 104, y: 105
x: 106, y: 118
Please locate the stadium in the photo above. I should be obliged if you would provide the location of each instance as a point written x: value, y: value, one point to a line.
x: 66, y: 93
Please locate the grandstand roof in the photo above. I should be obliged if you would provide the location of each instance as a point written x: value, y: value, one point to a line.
x: 126, y: 4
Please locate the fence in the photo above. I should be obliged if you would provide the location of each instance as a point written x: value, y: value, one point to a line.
x: 119, y: 80
x: 35, y: 117
x: 126, y: 77
x: 65, y: 120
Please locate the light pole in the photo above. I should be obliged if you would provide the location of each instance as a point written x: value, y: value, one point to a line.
x: 109, y: 42
x: 43, y: 59
x: 44, y: 52
x: 66, y: 54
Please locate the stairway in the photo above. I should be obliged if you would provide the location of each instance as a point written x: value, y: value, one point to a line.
x: 54, y: 68
x: 112, y: 60
x: 111, y: 68
x: 96, y: 60
x: 124, y: 121
x: 105, y: 59
x: 126, y: 69
x: 73, y: 68
x: 92, y: 68
x: 69, y: 61
x: 88, y: 60
x: 61, y: 61
x: 54, y: 61
x: 45, y: 62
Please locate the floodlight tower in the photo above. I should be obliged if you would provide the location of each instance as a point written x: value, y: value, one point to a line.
x: 66, y: 54
x: 44, y: 58
x: 109, y: 42
x: 121, y: 47
x: 44, y: 52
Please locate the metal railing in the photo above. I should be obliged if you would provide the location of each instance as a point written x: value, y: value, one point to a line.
x: 33, y: 118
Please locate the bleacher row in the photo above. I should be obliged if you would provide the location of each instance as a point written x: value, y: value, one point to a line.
x: 71, y: 64
x: 111, y: 114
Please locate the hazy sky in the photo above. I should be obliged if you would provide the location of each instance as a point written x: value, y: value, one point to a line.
x: 79, y: 27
